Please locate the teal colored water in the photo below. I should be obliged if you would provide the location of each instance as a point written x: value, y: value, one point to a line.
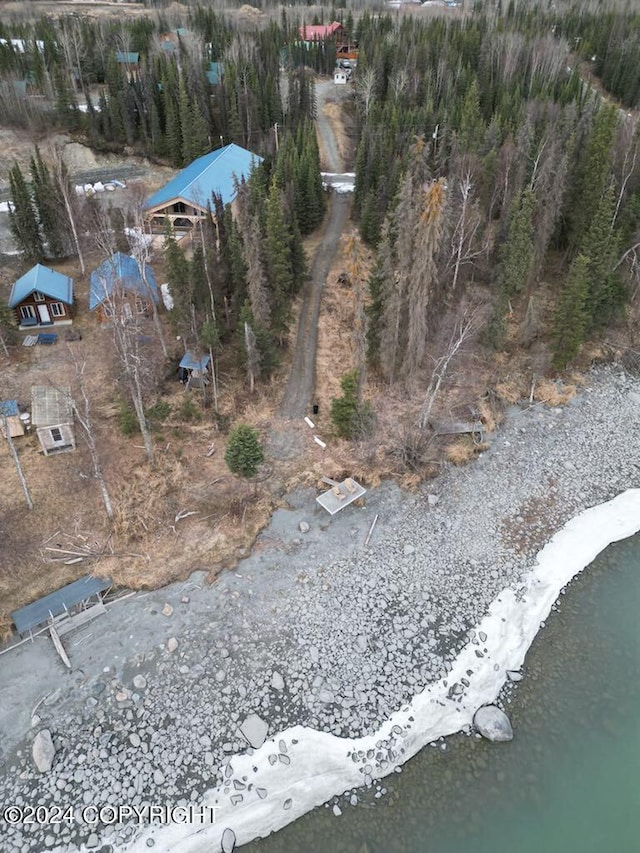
x: 569, y: 782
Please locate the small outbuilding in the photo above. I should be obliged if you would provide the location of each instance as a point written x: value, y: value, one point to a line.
x: 10, y: 416
x: 42, y: 297
x: 121, y: 283
x: 193, y: 370
x: 52, y: 418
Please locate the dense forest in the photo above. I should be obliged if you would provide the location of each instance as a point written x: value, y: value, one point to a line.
x: 167, y: 92
x: 483, y: 154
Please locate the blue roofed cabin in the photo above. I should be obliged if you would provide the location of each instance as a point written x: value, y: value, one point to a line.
x: 120, y: 284
x: 184, y: 201
x: 129, y: 61
x: 42, y: 297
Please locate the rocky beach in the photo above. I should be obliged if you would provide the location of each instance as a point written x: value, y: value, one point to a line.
x: 172, y: 693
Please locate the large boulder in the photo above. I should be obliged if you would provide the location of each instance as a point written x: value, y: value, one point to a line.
x: 228, y: 841
x: 43, y: 751
x: 254, y: 730
x: 493, y: 723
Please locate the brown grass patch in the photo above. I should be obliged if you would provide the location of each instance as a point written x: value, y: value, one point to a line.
x: 462, y: 450
x: 553, y: 393
x: 489, y: 416
x: 510, y: 391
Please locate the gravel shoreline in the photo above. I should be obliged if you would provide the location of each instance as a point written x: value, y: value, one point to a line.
x: 311, y: 629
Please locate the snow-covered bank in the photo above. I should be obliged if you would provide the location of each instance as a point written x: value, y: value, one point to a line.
x: 301, y: 768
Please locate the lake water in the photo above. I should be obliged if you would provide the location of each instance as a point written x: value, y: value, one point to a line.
x: 569, y: 782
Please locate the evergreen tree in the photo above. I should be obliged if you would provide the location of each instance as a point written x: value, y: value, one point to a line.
x: 49, y: 204
x: 571, y: 313
x: 517, y: 253
x: 350, y: 418
x: 278, y: 261
x: 600, y: 245
x: 244, y: 453
x: 178, y: 278
x: 23, y: 219
x: 592, y: 175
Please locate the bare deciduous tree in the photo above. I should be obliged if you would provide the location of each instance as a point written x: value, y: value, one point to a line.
x: 16, y: 462
x: 139, y: 245
x: 83, y: 415
x: 463, y: 328
x: 61, y: 177
x: 366, y: 88
x: 253, y: 356
x: 464, y: 237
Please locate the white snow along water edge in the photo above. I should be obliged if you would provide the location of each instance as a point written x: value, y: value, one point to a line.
x: 301, y: 768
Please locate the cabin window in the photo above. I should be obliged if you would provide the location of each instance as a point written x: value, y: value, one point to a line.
x: 56, y: 435
x: 38, y: 297
x: 27, y: 312
x: 57, y: 309
x: 179, y: 207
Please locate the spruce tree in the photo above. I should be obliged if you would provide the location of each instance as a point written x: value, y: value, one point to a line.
x: 23, y: 219
x: 49, y: 203
x: 244, y: 453
x: 518, y: 251
x: 571, y: 313
x: 278, y: 261
x: 592, y: 174
x: 600, y: 245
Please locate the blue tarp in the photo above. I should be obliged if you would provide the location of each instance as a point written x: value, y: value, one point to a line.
x: 192, y: 362
x: 49, y: 282
x: 212, y: 173
x: 9, y: 408
x: 123, y: 270
x: 56, y: 603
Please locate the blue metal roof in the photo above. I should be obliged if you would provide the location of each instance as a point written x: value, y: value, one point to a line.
x: 56, y: 603
x: 212, y: 173
x: 9, y: 408
x: 126, y: 58
x: 192, y: 362
x: 214, y: 73
x: 125, y: 270
x: 51, y: 283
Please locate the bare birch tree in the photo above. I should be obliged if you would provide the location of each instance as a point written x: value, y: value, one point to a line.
x: 464, y: 237
x: 253, y: 356
x: 16, y: 461
x: 366, y: 89
x: 83, y: 415
x: 61, y: 177
x: 463, y: 328
x: 140, y: 247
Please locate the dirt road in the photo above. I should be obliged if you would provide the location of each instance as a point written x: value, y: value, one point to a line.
x: 330, y: 159
x: 299, y: 390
